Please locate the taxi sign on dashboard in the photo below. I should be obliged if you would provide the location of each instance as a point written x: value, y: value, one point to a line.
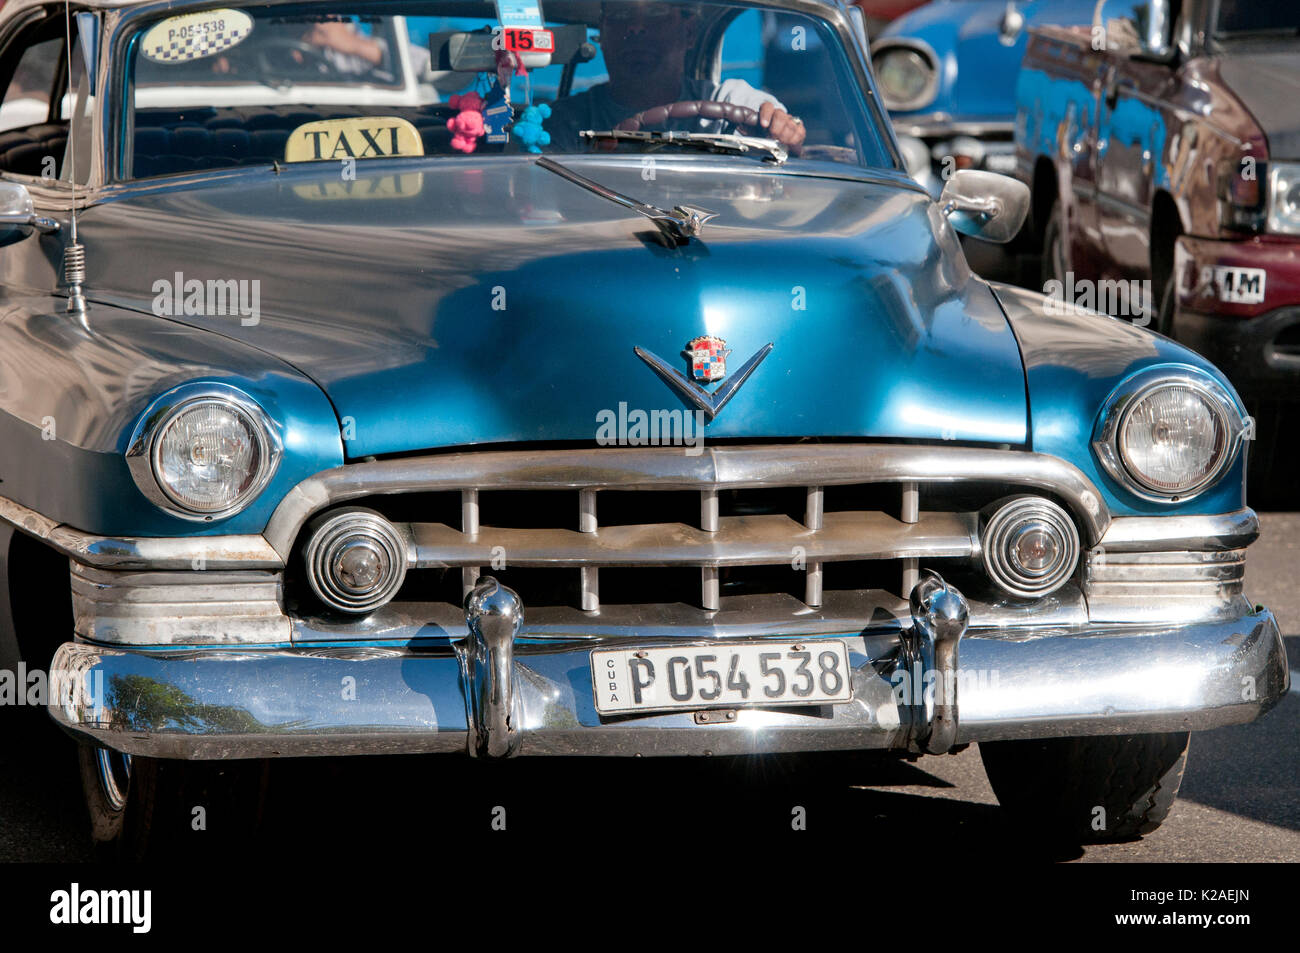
x: 362, y: 137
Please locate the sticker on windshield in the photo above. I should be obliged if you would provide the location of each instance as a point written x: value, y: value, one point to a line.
x: 363, y: 137
x: 193, y: 36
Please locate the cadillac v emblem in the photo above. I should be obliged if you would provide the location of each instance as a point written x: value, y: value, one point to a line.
x: 708, y: 358
x: 708, y: 363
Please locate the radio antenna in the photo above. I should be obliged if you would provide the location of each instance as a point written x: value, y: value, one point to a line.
x: 74, y: 253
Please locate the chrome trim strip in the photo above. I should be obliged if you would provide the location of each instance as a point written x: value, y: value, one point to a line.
x: 1143, y: 534
x: 765, y: 615
x: 1124, y: 534
x: 208, y: 607
x: 942, y: 125
x: 1049, y: 683
x: 144, y: 552
x: 650, y: 468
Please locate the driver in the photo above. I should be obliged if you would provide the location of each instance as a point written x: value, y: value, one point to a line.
x: 645, y: 45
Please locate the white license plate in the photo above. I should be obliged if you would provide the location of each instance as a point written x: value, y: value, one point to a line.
x: 721, y: 676
x: 1004, y: 163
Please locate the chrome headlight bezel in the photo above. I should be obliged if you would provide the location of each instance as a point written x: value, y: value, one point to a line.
x: 1283, y: 177
x: 1129, y: 395
x: 142, y: 452
x: 922, y: 49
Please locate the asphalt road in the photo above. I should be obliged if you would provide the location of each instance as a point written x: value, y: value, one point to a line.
x: 1240, y: 799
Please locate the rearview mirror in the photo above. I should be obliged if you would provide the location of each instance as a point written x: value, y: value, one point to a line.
x: 18, y: 217
x: 985, y: 205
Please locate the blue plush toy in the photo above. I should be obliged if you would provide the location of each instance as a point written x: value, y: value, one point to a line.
x: 528, y: 128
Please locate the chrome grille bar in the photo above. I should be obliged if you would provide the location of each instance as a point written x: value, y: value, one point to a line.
x: 710, y: 586
x: 911, y: 513
x: 469, y: 526
x: 814, y: 505
x: 588, y: 576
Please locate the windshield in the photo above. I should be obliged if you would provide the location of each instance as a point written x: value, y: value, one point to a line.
x: 1257, y: 16
x: 329, y: 81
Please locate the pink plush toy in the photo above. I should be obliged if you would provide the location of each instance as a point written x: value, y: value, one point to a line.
x: 467, y: 125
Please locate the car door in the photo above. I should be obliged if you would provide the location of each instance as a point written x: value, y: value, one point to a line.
x: 1131, y: 133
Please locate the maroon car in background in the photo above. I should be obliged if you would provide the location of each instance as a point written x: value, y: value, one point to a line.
x: 1163, y: 150
x: 880, y: 12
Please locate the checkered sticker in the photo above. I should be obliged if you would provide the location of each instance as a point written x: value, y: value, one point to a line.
x: 195, y: 35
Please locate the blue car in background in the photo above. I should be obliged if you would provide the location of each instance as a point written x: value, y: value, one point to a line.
x: 947, y: 73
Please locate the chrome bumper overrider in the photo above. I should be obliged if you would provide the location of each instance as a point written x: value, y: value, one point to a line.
x: 490, y: 695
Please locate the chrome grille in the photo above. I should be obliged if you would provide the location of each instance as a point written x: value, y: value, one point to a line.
x: 709, y: 543
x: 734, y: 516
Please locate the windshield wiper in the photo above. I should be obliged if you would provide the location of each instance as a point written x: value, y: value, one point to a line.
x: 712, y: 141
x: 682, y: 223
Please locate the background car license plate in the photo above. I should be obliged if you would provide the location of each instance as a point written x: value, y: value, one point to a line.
x: 720, y: 676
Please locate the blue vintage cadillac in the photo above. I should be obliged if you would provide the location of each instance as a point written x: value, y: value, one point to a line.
x: 947, y: 73
x: 351, y: 402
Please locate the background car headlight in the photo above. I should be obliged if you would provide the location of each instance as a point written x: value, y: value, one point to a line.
x: 207, y: 456
x: 1168, y: 436
x: 1284, y: 198
x: 908, y: 74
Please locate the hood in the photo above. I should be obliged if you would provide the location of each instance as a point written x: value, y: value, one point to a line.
x: 1268, y: 84
x: 978, y: 70
x: 487, y: 300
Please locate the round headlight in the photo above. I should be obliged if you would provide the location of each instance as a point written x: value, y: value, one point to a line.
x: 1172, y: 440
x: 908, y: 76
x: 1171, y: 436
x: 207, y: 456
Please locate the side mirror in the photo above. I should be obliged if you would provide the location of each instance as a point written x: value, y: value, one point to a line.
x: 985, y: 205
x: 1136, y: 27
x: 18, y: 218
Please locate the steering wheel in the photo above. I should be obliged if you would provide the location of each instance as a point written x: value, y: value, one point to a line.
x: 314, y: 61
x: 712, y: 110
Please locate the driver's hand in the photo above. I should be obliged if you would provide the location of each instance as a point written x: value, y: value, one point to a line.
x: 783, y: 127
x: 345, y: 38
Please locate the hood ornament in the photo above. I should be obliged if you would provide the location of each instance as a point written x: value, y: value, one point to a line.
x: 708, y: 357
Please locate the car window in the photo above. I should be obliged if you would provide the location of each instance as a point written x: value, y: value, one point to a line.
x: 240, y: 86
x: 32, y: 141
x: 27, y: 99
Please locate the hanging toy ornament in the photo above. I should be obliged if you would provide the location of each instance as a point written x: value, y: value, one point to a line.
x: 528, y: 130
x: 467, y: 126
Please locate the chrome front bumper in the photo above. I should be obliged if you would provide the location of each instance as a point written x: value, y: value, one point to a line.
x: 1022, y: 683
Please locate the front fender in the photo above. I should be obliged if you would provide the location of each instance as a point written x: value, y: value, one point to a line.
x: 1073, y: 361
x: 72, y: 392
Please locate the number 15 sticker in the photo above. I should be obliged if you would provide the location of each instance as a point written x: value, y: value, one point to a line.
x: 518, y: 40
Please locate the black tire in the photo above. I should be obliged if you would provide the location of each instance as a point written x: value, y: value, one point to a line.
x: 145, y: 808
x: 1055, y: 259
x: 1054, y: 788
x: 1168, y: 302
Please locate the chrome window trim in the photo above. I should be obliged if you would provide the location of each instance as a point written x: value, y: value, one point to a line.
x: 931, y: 90
x: 1129, y: 394
x: 142, y: 452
